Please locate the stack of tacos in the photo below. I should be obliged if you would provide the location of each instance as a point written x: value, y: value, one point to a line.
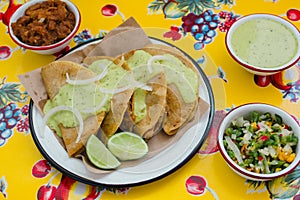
x: 147, y: 91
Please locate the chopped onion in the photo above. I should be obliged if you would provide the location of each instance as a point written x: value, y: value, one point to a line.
x: 287, y: 149
x: 286, y: 132
x: 247, y: 137
x: 157, y: 57
x: 240, y: 122
x: 246, y: 123
x: 235, y: 149
x: 94, y: 109
x: 272, y: 151
x: 65, y: 108
x: 87, y: 81
x: 264, y: 126
x: 233, y: 136
x: 264, y: 151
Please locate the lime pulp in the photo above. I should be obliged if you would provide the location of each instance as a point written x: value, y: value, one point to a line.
x: 99, y: 155
x: 127, y: 146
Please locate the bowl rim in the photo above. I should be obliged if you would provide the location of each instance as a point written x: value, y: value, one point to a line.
x: 282, y: 20
x: 24, y: 6
x: 240, y: 170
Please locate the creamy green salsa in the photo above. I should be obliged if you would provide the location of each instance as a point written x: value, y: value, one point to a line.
x: 89, y: 96
x: 140, y: 107
x: 264, y: 42
x: 85, y: 97
x: 176, y: 72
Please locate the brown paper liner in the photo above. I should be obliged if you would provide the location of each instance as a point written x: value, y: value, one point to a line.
x: 128, y: 36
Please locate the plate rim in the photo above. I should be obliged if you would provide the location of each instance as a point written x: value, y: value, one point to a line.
x: 138, y: 183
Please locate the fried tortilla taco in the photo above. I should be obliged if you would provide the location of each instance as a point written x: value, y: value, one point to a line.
x: 182, y: 82
x: 91, y: 90
x: 119, y: 100
x: 118, y: 106
x: 146, y: 107
x: 120, y: 93
x: 60, y: 93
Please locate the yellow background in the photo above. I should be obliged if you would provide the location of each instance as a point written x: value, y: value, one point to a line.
x: 20, y: 153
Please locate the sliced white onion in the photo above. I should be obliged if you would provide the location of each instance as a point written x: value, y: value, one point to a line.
x: 134, y: 84
x: 235, y: 149
x: 158, y: 57
x: 115, y: 90
x: 94, y: 109
x: 91, y: 80
x: 143, y: 86
x: 65, y: 108
x: 122, y: 61
x: 137, y: 84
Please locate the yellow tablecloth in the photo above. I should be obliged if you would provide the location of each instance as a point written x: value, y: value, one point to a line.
x: 24, y: 174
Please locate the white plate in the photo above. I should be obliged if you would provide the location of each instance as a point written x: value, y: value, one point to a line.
x: 157, y: 167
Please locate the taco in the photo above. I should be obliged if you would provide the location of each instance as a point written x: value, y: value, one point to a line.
x: 54, y: 76
x: 182, y: 82
x: 143, y: 91
x: 147, y: 108
x: 119, y: 90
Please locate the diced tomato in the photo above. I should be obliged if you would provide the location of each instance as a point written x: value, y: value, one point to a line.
x: 264, y: 138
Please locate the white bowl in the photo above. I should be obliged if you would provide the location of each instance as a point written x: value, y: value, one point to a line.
x: 245, y: 110
x: 255, y: 68
x: 49, y: 49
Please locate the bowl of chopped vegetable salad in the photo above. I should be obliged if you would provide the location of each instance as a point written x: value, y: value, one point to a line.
x: 260, y: 141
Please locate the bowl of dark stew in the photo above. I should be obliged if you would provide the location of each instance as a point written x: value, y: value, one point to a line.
x: 44, y: 26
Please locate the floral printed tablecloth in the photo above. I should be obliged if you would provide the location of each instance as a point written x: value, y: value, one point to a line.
x: 25, y: 174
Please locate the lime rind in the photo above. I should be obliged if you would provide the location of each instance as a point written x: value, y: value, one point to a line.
x: 127, y: 146
x: 99, y: 155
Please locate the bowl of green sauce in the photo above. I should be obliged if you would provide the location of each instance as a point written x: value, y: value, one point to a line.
x: 263, y: 44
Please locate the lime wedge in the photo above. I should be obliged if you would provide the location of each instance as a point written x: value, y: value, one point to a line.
x: 127, y: 146
x: 99, y: 155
